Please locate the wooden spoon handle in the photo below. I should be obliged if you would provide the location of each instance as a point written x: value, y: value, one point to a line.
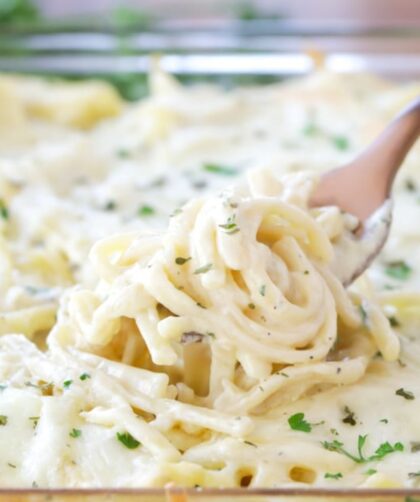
x: 388, y: 151
x: 363, y: 185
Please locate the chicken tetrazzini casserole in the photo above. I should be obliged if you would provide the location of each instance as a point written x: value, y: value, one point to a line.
x: 169, y: 310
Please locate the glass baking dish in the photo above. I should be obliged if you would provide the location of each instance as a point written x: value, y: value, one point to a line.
x: 230, y: 53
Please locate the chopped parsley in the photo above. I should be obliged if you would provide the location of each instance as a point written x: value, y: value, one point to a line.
x: 251, y: 306
x: 175, y: 212
x: 350, y: 417
x: 363, y: 314
x: 67, y: 383
x: 11, y: 465
x: 3, y: 420
x: 145, y: 210
x: 4, y: 212
x: 123, y: 153
x: 370, y: 472
x: 262, y: 290
x: 203, y: 269
x: 310, y: 129
x: 75, y: 433
x: 110, y: 205
x: 382, y: 451
x: 179, y: 260
x: 250, y: 444
x: 384, y: 420
x: 398, y: 269
x: 385, y: 449
x: 330, y: 475
x: 128, y: 440
x: 406, y: 394
x: 35, y: 421
x: 218, y: 169
x: 297, y: 422
x: 415, y: 446
x: 340, y: 142
x: 84, y: 376
x: 230, y: 226
x: 410, y: 185
x: 393, y: 321
x: 414, y: 474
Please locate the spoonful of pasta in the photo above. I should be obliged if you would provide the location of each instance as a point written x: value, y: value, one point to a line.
x: 362, y: 188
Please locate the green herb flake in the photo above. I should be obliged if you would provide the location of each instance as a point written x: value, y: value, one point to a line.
x: 337, y: 446
x: 210, y: 334
x: 414, y: 474
x: 406, y: 394
x: 310, y: 129
x: 84, y: 376
x: 330, y: 475
x: 3, y: 420
x: 385, y: 449
x: 363, y: 315
x: 179, y: 260
x: 4, y: 212
x: 67, y: 383
x: 35, y: 421
x: 370, y: 472
x: 128, y: 440
x: 350, y: 417
x: 75, y: 433
x: 398, y: 269
x: 123, y: 153
x: 11, y: 465
x: 262, y: 290
x: 204, y: 269
x: 175, y: 212
x: 297, y: 422
x: 384, y: 420
x: 414, y: 446
x: 340, y: 142
x: 230, y: 226
x: 250, y: 444
x: 251, y: 306
x: 382, y: 451
x: 394, y: 322
x: 218, y: 169
x: 410, y: 185
x: 145, y: 210
x: 110, y: 206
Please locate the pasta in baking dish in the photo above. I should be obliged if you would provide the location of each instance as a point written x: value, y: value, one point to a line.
x: 169, y: 312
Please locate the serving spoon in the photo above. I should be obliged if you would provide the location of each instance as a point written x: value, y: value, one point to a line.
x: 363, y: 188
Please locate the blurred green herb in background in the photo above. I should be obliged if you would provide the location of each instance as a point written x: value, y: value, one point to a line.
x: 18, y: 11
x: 127, y: 17
x: 246, y: 10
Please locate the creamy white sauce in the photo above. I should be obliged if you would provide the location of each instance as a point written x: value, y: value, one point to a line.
x: 65, y: 186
